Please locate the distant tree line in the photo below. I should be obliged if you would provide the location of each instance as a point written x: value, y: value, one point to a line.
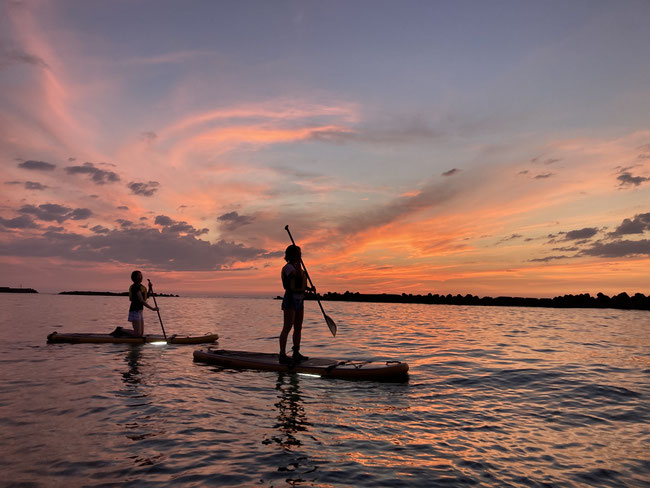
x: 6, y: 289
x: 109, y: 293
x: 622, y: 301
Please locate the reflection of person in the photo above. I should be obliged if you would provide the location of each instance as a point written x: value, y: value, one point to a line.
x: 294, y: 281
x: 291, y: 414
x: 138, y: 298
x: 133, y: 357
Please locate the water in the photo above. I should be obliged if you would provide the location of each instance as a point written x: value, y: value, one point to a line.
x: 496, y: 397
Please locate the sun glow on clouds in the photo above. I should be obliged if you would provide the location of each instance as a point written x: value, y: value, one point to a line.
x: 196, y: 188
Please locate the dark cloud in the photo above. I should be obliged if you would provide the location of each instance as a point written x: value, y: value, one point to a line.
x: 98, y: 229
x: 612, y: 246
x: 510, y: 238
x: 124, y: 223
x: 451, y: 172
x: 543, y: 176
x: 138, y: 246
x: 566, y: 249
x: 29, y: 185
x: 80, y: 214
x: 547, y: 161
x: 34, y: 185
x: 20, y: 222
x: 627, y: 179
x: 52, y: 212
x: 573, y: 235
x: 619, y: 249
x: 232, y: 220
x: 164, y: 220
x: 37, y: 165
x: 175, y: 227
x: 97, y: 175
x: 638, y: 225
x: 586, y: 233
x: 548, y: 258
x: 144, y: 189
x: 122, y: 207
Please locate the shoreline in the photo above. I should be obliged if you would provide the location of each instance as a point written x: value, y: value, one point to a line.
x: 622, y: 301
x: 8, y: 289
x: 110, y: 293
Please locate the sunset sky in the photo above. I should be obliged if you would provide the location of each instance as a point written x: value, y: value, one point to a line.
x: 483, y: 147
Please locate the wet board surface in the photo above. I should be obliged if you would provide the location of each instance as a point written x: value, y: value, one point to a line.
x: 90, y: 338
x: 326, y: 367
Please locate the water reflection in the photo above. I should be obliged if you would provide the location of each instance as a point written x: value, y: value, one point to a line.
x: 291, y: 418
x: 143, y: 420
x: 133, y: 357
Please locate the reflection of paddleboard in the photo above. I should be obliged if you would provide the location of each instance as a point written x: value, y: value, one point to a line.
x: 330, y: 368
x: 103, y: 338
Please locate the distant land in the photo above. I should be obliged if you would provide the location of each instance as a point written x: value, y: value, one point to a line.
x: 621, y: 301
x: 110, y: 293
x: 6, y: 289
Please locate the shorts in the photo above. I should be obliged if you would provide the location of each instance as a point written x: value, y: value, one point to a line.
x: 136, y: 315
x: 293, y: 302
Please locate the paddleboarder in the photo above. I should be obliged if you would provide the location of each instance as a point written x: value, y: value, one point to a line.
x: 138, y: 298
x: 294, y: 281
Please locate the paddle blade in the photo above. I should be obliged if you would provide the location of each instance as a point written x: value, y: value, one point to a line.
x: 331, y: 324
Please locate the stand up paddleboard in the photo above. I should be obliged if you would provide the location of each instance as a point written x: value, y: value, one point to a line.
x: 330, y: 368
x: 82, y: 338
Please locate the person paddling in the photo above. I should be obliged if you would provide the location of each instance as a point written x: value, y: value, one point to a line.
x: 294, y: 282
x: 138, y: 298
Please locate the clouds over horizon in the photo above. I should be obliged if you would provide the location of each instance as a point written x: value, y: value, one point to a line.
x: 175, y: 247
x: 610, y: 246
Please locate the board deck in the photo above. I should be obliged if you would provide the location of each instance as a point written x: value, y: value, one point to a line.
x: 91, y: 338
x: 326, y: 367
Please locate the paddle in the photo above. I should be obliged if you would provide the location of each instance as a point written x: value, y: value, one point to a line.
x: 154, y: 302
x: 330, y: 322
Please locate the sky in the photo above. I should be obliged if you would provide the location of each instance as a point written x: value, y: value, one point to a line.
x: 485, y: 147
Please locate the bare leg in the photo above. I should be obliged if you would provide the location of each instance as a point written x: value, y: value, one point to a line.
x: 288, y: 323
x: 138, y: 328
x: 297, y: 328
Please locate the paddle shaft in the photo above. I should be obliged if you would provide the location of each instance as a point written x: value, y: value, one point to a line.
x: 157, y: 311
x: 306, y: 273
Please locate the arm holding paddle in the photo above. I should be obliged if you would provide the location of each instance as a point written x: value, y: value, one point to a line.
x: 143, y: 300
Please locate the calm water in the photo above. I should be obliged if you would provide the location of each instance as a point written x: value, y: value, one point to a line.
x: 496, y: 397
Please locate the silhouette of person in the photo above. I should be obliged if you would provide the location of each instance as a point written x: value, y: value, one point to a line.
x: 294, y: 281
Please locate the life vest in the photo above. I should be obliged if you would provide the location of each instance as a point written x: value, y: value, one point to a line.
x: 294, y: 282
x: 143, y: 290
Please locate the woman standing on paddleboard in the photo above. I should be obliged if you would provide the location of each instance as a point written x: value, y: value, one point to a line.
x: 294, y: 282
